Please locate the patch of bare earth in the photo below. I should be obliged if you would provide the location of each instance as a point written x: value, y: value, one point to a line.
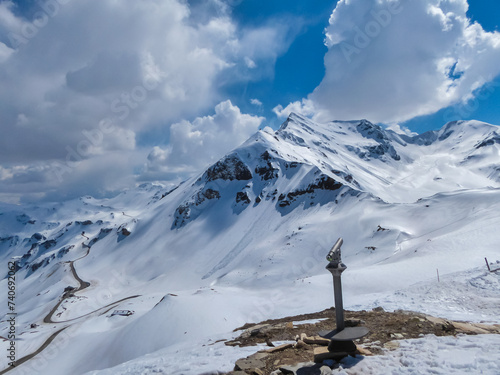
x: 385, y: 329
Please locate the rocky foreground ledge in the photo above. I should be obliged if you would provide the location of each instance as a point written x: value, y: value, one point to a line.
x: 305, y: 353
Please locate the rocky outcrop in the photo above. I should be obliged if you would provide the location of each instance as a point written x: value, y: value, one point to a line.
x: 242, y: 196
x: 324, y: 182
x: 10, y: 241
x: 32, y: 267
x: 265, y: 168
x: 490, y: 141
x: 383, y: 146
x: 102, y: 233
x: 229, y: 168
x: 188, y: 210
x: 375, y: 151
x: 86, y: 222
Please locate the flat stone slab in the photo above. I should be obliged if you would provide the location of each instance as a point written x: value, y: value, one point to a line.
x: 248, y: 364
x: 347, y: 334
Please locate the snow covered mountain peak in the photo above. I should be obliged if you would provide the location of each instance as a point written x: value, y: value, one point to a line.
x: 305, y: 163
x: 247, y: 238
x: 463, y: 154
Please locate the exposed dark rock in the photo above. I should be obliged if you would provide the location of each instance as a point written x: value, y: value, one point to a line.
x: 323, y: 183
x: 45, y: 262
x: 266, y: 156
x: 445, y: 135
x: 168, y: 192
x: 369, y: 130
x: 209, y: 194
x: 13, y: 240
x: 489, y: 141
x: 272, y: 195
x: 266, y: 172
x: 102, y: 233
x: 123, y: 233
x: 326, y: 183
x: 86, y: 222
x: 183, y: 213
x: 383, y: 149
x: 38, y: 237
x: 230, y: 168
x: 375, y: 132
x: 242, y: 196
x: 64, y: 250
x: 48, y: 244
x: 265, y: 169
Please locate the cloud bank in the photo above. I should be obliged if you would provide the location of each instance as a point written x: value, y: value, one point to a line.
x: 392, y: 60
x: 88, y: 84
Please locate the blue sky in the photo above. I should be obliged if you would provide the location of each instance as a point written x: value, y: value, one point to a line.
x: 301, y: 68
x: 101, y: 95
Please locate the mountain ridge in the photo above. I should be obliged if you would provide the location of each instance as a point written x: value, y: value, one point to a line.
x: 252, y: 229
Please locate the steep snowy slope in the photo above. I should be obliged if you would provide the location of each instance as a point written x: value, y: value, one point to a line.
x: 246, y: 239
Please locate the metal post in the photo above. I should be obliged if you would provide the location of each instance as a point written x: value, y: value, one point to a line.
x: 336, y: 270
x: 336, y: 267
x: 339, y: 306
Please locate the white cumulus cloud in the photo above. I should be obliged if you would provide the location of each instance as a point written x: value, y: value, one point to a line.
x: 392, y: 60
x: 196, y: 144
x: 85, y: 80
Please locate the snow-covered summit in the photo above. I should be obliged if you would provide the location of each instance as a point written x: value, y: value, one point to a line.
x: 246, y: 239
x: 368, y: 158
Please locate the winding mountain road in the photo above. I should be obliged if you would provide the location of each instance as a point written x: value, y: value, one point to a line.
x: 67, y: 294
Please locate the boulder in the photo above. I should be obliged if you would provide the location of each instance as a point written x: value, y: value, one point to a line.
x: 321, y: 353
x: 249, y: 364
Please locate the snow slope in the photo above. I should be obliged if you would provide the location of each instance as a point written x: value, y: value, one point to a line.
x: 246, y: 240
x: 428, y: 355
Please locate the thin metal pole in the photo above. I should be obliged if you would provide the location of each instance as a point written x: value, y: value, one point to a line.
x: 339, y: 306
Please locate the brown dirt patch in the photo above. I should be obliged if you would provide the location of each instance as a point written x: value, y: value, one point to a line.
x: 384, y: 327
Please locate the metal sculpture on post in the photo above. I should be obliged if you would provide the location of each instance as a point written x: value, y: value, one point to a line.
x: 342, y: 337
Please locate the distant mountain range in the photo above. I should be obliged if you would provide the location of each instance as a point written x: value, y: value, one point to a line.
x: 261, y: 218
